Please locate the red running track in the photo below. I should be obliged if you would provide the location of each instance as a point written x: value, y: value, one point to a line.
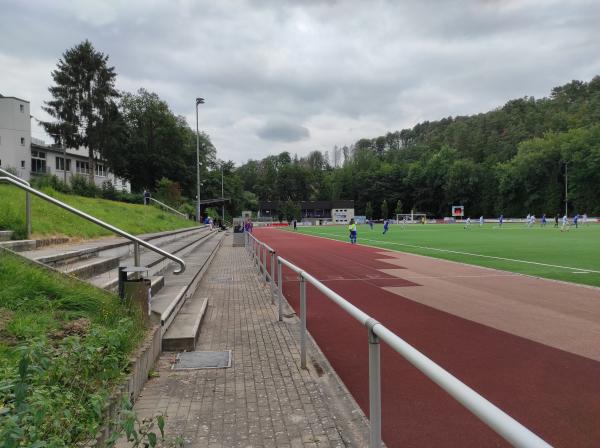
x: 554, y: 393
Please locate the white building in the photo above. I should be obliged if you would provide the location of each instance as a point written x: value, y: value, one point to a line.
x: 30, y: 156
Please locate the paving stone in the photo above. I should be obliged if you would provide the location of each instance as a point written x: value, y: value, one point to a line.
x: 264, y: 398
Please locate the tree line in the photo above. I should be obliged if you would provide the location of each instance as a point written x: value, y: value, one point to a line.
x: 512, y: 160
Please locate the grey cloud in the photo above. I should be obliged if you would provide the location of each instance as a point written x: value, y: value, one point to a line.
x: 281, y: 131
x: 271, y: 69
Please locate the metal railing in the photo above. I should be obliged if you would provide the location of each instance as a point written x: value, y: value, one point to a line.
x: 27, y: 199
x: 137, y: 242
x: 503, y: 424
x: 170, y: 208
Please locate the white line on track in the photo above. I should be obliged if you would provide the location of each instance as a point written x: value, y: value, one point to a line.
x: 570, y: 268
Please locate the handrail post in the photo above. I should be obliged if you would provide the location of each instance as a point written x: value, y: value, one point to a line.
x: 374, y: 386
x: 280, y: 286
x: 28, y: 213
x: 266, y: 268
x: 272, y: 278
x: 302, y: 322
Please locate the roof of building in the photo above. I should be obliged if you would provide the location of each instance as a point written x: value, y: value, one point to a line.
x: 14, y: 98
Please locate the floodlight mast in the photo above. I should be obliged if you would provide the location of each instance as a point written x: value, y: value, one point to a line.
x: 198, y: 101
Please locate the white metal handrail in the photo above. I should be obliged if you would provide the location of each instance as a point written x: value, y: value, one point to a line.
x: 499, y: 421
x: 169, y: 208
x: 136, y: 241
x: 27, y: 199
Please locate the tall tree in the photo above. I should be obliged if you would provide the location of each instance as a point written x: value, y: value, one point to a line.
x: 82, y: 101
x: 384, y: 210
x: 369, y: 210
x: 398, y: 210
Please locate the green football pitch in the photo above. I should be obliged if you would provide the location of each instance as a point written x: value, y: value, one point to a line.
x: 572, y: 256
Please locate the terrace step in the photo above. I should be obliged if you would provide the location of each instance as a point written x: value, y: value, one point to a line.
x: 6, y: 235
x: 183, y: 333
x: 156, y: 263
x: 179, y: 309
x: 19, y: 245
x: 89, y: 268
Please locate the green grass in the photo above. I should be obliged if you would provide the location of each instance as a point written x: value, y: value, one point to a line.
x: 51, y: 220
x: 63, y: 345
x: 569, y: 256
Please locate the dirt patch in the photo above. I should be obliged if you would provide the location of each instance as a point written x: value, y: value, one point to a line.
x: 5, y: 317
x: 78, y: 327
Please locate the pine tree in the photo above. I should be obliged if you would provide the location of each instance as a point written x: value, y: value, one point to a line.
x: 82, y: 101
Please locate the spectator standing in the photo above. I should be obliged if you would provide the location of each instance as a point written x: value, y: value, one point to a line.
x: 146, y: 197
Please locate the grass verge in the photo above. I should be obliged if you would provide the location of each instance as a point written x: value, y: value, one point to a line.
x: 63, y: 346
x: 543, y: 252
x: 51, y: 220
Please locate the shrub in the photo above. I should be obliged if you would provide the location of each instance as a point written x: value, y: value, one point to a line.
x: 83, y: 187
x: 108, y: 190
x: 50, y: 181
x: 169, y: 192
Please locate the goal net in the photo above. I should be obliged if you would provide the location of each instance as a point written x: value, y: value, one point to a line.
x: 410, y: 218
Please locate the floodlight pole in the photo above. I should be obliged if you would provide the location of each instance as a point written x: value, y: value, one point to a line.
x: 222, y: 198
x: 198, y: 101
x: 566, y: 188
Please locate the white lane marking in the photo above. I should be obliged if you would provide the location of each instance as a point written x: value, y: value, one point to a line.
x: 571, y: 268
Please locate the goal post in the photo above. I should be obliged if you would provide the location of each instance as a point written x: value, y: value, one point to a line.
x: 410, y: 218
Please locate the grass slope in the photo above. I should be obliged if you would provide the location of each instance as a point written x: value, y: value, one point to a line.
x: 63, y: 346
x: 545, y: 252
x: 49, y: 219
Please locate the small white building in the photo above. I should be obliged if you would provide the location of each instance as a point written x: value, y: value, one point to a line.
x: 30, y: 156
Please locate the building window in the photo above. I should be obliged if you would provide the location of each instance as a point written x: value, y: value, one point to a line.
x: 22, y: 163
x: 82, y: 167
x: 38, y: 162
x: 22, y: 108
x: 22, y: 141
x: 100, y: 170
x: 60, y: 164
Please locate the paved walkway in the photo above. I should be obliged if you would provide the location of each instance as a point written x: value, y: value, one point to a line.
x: 264, y: 399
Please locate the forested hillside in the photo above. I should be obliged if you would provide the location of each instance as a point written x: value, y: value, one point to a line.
x: 510, y: 160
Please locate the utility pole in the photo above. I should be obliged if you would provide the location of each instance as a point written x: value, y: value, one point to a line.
x: 222, y: 198
x: 198, y: 101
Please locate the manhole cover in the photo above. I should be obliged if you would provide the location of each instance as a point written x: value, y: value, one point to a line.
x: 203, y: 360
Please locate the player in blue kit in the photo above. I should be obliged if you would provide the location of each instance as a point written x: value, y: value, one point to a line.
x: 386, y: 225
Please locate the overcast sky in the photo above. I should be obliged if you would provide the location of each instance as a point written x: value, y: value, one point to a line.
x: 303, y: 75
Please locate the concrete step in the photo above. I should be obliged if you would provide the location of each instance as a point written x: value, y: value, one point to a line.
x: 6, y: 235
x: 156, y: 263
x: 89, y: 268
x: 65, y: 254
x: 19, y: 245
x: 178, y: 306
x: 183, y: 333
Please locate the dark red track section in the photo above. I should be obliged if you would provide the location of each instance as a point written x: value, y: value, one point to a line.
x: 554, y: 393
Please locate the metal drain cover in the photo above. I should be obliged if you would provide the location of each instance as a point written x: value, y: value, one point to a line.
x: 202, y: 360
